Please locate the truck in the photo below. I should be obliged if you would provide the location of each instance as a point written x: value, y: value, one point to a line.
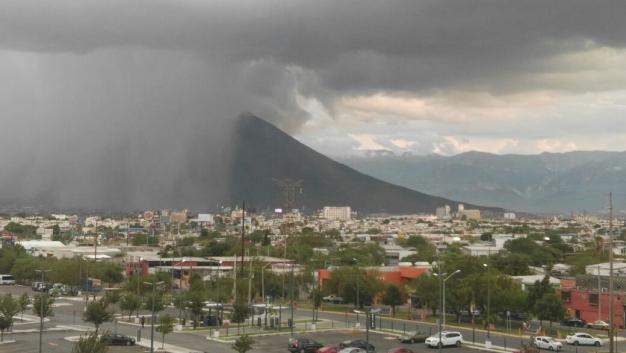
x: 333, y: 299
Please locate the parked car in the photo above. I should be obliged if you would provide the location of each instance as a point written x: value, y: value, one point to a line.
x: 116, y: 339
x: 40, y: 286
x: 400, y: 350
x: 546, y: 342
x: 599, y: 324
x: 574, y: 322
x: 328, y: 349
x: 333, y: 299
x: 582, y: 338
x: 413, y: 337
x: 352, y: 350
x: 448, y: 338
x: 358, y: 344
x: 303, y: 345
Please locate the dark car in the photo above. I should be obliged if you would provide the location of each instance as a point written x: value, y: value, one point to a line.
x: 116, y: 339
x: 358, y: 344
x: 413, y: 337
x: 303, y: 345
x: 574, y: 323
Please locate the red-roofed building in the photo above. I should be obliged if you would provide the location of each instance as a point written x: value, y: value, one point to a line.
x: 398, y: 275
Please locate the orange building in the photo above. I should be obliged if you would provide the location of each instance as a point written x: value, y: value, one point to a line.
x: 398, y: 275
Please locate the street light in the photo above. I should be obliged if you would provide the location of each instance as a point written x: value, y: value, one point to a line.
x: 41, y: 308
x: 154, y: 284
x: 488, y: 302
x: 444, y: 295
x: 358, y: 279
x: 263, y: 289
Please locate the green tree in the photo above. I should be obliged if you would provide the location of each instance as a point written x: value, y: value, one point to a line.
x: 91, y: 343
x: 166, y: 325
x: 240, y: 312
x: 129, y: 302
x: 195, y: 304
x: 537, y: 291
x: 426, y: 289
x: 97, y: 313
x: 550, y: 308
x: 42, y: 305
x: 9, y: 307
x: 393, y: 297
x: 316, y: 301
x: 344, y: 282
x: 23, y: 303
x: 243, y: 344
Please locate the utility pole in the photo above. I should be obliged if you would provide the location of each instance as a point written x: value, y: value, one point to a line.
x: 611, y: 319
x: 291, y: 304
x: 42, y: 298
x: 154, y: 285
x: 243, y: 234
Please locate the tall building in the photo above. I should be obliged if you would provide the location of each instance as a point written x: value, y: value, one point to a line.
x: 343, y: 213
x: 443, y: 212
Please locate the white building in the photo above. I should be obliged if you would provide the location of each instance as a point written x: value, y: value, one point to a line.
x: 510, y: 215
x: 342, y: 213
x: 619, y: 269
x: 443, y: 212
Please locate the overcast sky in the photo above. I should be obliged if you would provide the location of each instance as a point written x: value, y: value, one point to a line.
x: 343, y: 76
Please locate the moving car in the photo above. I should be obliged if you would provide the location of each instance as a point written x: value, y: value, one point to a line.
x: 546, y: 342
x: 328, y: 349
x: 448, y: 338
x: 303, y: 345
x: 413, y: 337
x: 357, y: 344
x: 116, y: 339
x: 400, y: 350
x: 582, y: 338
x: 333, y: 299
x: 574, y: 322
x: 599, y: 324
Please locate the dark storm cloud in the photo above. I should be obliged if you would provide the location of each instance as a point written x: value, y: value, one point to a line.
x: 136, y: 95
x: 351, y: 45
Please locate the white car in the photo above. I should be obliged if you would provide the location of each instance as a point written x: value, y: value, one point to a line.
x: 448, y: 338
x: 546, y: 342
x: 352, y: 350
x: 582, y: 338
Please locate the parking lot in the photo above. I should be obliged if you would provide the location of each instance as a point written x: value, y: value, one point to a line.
x: 382, y: 342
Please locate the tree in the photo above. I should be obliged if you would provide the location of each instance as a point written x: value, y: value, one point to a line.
x: 316, y: 301
x: 550, y: 308
x: 23, y: 303
x: 392, y: 297
x: 240, y: 313
x: 426, y: 289
x: 243, y: 344
x: 166, y: 325
x: 196, y: 304
x: 344, y: 282
x: 9, y: 307
x: 537, y: 291
x: 129, y: 302
x: 97, y: 313
x: 91, y: 343
x: 43, y: 301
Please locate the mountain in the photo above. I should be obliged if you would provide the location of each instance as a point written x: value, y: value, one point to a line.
x: 548, y: 182
x: 264, y: 152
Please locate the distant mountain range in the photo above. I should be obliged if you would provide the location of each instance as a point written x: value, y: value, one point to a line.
x: 263, y: 153
x: 548, y: 182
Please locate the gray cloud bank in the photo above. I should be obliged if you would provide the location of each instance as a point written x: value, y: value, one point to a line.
x: 136, y: 95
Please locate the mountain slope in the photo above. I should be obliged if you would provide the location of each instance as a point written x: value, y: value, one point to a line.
x: 548, y: 182
x: 264, y: 152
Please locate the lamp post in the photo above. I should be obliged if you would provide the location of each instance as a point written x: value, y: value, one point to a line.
x: 488, y: 302
x: 358, y: 279
x: 41, y: 308
x: 263, y: 290
x: 444, y: 295
x: 154, y: 285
